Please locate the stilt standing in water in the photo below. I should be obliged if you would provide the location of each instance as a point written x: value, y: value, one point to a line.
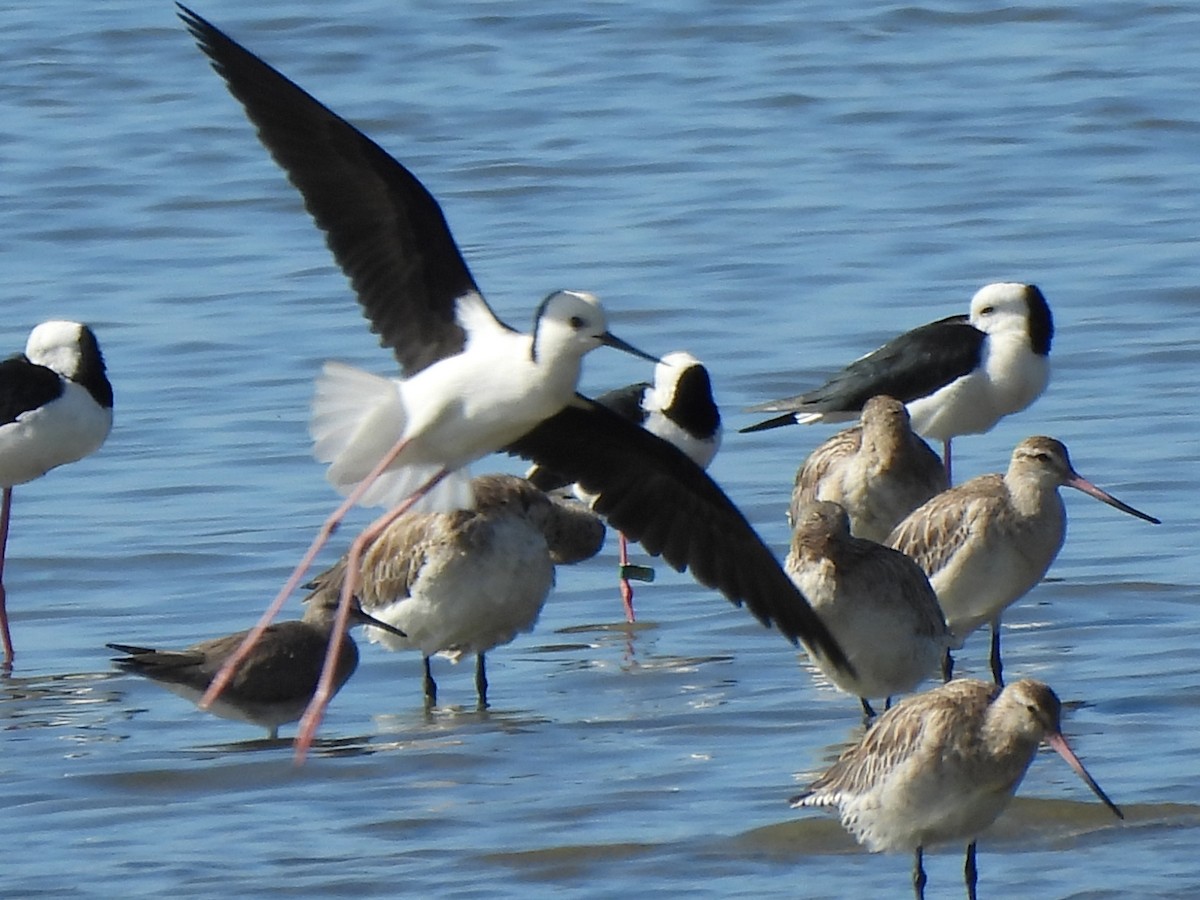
x: 679, y: 408
x: 56, y: 407
x: 958, y: 375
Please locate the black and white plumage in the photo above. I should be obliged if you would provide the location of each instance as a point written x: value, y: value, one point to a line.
x: 483, y: 386
x: 56, y: 407
x: 467, y: 581
x: 958, y: 375
x: 277, y: 680
x: 679, y: 408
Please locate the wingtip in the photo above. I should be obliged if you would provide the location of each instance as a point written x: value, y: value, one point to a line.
x: 776, y: 422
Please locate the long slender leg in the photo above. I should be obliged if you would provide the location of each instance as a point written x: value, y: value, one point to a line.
x: 623, y: 581
x: 970, y: 872
x: 481, y: 682
x: 919, y: 874
x: 5, y: 512
x: 868, y: 710
x: 350, y: 582
x: 997, y: 665
x: 430, y: 686
x: 946, y: 460
x: 221, y: 679
x: 947, y: 667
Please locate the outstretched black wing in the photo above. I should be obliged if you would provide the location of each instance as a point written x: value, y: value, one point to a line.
x: 658, y: 497
x: 385, y: 229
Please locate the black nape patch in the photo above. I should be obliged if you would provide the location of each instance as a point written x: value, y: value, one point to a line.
x: 693, y: 407
x: 1041, y: 322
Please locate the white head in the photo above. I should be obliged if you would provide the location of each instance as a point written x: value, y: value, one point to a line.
x: 1014, y: 308
x: 62, y: 346
x: 671, y: 366
x: 573, y: 323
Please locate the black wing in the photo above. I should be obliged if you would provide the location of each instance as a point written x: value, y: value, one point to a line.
x: 658, y: 497
x: 24, y: 386
x: 385, y: 229
x: 626, y: 402
x: 908, y: 367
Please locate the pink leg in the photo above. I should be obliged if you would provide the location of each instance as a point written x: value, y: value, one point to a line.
x: 225, y: 674
x: 623, y: 582
x: 5, y: 511
x: 350, y: 582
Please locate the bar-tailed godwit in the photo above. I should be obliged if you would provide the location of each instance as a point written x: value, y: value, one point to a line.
x: 878, y: 470
x: 466, y: 581
x: 876, y: 601
x: 939, y: 767
x: 985, y: 543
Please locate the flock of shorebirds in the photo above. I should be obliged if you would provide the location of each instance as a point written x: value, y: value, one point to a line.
x: 890, y: 567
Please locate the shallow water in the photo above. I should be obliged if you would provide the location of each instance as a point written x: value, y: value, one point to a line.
x: 777, y: 191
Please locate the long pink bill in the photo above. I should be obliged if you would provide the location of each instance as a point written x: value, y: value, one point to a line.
x: 1082, y: 484
x: 1059, y: 743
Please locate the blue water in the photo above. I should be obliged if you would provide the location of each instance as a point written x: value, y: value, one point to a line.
x: 777, y: 187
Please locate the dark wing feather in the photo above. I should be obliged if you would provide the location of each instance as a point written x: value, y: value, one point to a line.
x: 24, y: 386
x: 908, y: 367
x: 658, y: 497
x: 626, y: 402
x: 385, y: 229
x: 285, y: 665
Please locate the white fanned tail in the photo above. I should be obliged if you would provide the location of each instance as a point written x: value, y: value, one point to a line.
x: 357, y: 417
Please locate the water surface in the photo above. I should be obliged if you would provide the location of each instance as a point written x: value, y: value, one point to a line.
x: 775, y: 187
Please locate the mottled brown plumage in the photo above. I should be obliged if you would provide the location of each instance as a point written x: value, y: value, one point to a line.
x: 878, y: 470
x: 987, y: 542
x: 941, y: 766
x: 466, y: 581
x: 876, y: 601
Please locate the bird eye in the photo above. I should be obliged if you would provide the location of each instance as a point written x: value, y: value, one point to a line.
x: 987, y: 310
x: 577, y: 322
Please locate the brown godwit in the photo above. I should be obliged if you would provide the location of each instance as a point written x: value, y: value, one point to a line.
x: 878, y: 470
x: 985, y: 543
x: 939, y: 767
x: 876, y: 601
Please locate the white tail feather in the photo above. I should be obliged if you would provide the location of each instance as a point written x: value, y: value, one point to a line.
x: 357, y: 417
x: 396, y: 485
